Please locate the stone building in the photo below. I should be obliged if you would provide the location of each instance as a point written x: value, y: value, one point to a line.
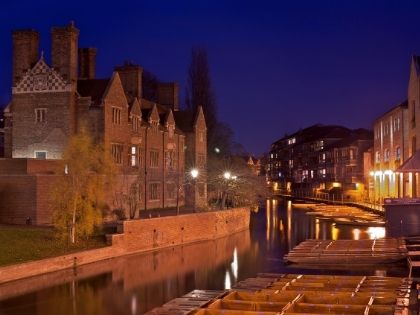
x: 50, y: 103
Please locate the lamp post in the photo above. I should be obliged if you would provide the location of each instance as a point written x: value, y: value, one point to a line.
x: 194, y: 175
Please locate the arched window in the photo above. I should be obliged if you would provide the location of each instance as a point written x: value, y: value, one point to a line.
x: 386, y: 155
x: 398, y: 153
x: 377, y: 157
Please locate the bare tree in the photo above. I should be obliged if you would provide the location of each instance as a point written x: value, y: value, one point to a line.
x: 232, y: 183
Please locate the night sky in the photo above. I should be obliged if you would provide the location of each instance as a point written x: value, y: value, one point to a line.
x: 276, y: 66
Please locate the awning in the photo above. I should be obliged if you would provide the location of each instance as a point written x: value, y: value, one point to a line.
x: 412, y: 165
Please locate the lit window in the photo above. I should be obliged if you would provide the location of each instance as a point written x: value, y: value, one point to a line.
x: 41, y: 155
x: 291, y: 141
x: 40, y: 115
x: 133, y: 158
x: 351, y: 154
x: 290, y: 163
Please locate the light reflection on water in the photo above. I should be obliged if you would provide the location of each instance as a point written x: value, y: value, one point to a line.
x: 135, y: 284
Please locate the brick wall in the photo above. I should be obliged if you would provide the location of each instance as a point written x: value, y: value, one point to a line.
x: 51, y: 135
x: 161, y: 265
x: 150, y: 234
x: 170, y: 231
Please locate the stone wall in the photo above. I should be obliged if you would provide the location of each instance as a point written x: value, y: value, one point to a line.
x: 139, y: 236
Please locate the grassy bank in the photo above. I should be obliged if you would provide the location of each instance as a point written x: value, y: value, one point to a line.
x: 20, y: 244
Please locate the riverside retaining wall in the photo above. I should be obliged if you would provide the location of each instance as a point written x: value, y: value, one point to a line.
x: 141, y: 235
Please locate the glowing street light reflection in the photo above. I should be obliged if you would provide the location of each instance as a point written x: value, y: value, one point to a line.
x: 234, y: 264
x: 228, y: 284
x: 376, y: 232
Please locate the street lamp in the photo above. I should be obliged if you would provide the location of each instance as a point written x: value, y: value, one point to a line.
x: 227, y: 175
x: 194, y: 175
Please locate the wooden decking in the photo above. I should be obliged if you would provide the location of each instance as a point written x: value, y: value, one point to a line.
x: 284, y: 294
x: 380, y: 251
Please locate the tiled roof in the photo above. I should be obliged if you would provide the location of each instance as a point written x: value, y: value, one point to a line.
x: 355, y: 136
x: 184, y: 120
x: 94, y: 88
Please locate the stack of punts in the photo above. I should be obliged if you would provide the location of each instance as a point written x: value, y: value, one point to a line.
x: 291, y: 294
x: 329, y: 252
x: 345, y: 215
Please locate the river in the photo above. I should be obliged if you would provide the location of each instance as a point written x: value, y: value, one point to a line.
x: 137, y: 283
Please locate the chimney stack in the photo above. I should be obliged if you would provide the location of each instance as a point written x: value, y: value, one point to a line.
x: 168, y: 95
x: 25, y: 52
x: 64, y: 51
x: 87, y: 63
x: 130, y: 75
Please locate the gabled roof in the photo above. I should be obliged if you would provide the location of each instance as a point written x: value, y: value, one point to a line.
x: 94, y: 88
x: 402, y: 105
x: 357, y: 135
x: 153, y: 114
x: 135, y: 108
x: 184, y: 120
x: 416, y: 62
x: 41, y: 78
x: 411, y: 165
x: 316, y: 132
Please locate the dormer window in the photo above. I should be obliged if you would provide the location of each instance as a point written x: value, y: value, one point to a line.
x: 135, y: 123
x: 171, y: 131
x: 116, y: 115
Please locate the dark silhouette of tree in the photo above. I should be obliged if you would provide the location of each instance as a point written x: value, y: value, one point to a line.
x: 199, y: 92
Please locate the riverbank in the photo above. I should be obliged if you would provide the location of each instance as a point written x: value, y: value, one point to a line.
x: 141, y: 236
x: 19, y: 244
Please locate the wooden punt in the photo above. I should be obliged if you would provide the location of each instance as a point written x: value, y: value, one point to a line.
x: 381, y: 251
x: 294, y: 294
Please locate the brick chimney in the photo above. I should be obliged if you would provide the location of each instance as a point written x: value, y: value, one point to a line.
x: 25, y: 52
x: 168, y: 95
x: 87, y: 63
x: 130, y: 75
x: 64, y: 51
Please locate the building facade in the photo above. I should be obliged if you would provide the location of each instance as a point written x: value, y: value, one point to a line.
x: 390, y: 149
x: 319, y: 159
x: 153, y: 140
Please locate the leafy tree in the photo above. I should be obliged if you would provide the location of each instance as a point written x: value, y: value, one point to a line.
x: 78, y: 196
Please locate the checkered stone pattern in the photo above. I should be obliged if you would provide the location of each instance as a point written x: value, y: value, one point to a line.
x: 41, y: 78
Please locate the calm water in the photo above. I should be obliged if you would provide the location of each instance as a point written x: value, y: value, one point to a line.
x: 138, y: 283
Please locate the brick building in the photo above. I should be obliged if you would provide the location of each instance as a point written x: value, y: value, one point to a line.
x: 389, y: 151
x: 320, y: 158
x: 50, y: 103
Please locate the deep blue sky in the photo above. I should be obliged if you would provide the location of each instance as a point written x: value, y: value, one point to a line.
x: 276, y: 66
